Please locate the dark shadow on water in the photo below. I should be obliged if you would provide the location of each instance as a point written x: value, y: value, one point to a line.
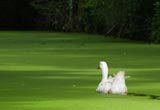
x: 155, y: 97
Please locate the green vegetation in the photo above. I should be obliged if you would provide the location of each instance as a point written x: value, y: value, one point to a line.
x: 131, y: 19
x: 52, y: 71
x: 156, y: 24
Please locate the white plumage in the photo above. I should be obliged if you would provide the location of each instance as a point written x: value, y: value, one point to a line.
x: 118, y: 85
x: 111, y: 85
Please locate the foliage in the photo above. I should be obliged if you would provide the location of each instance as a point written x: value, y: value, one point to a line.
x: 133, y: 19
x: 54, y: 14
x: 156, y: 24
x: 140, y: 19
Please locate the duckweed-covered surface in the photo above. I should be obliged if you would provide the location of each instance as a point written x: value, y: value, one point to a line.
x: 57, y: 71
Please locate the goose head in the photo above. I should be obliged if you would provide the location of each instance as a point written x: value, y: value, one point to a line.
x: 102, y: 65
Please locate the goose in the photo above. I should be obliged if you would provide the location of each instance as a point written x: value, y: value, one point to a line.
x: 105, y: 84
x: 111, y: 85
x: 118, y: 85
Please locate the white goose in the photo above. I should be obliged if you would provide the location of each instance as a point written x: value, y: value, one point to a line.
x: 105, y: 84
x: 111, y: 85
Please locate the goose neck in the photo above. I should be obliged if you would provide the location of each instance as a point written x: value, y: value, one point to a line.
x: 104, y: 73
